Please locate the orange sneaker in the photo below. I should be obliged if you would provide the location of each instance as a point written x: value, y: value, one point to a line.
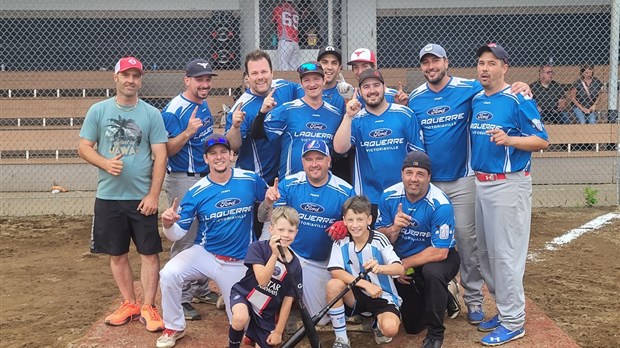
x: 151, y: 318
x: 126, y: 313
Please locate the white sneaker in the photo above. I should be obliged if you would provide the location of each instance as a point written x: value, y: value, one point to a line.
x: 169, y: 338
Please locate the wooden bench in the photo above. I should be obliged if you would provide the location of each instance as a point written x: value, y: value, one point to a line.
x: 597, y: 137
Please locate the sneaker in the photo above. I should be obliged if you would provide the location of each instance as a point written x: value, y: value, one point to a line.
x: 475, y: 314
x: 210, y: 298
x: 124, y: 314
x: 453, y: 307
x: 150, y: 317
x: 169, y: 338
x: 379, y: 338
x: 502, y: 335
x: 341, y: 343
x: 489, y: 325
x: 431, y: 343
x: 190, y: 312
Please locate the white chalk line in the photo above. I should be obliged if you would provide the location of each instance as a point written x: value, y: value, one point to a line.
x: 573, y: 234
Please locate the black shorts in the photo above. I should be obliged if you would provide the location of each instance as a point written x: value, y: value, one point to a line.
x: 376, y: 306
x: 259, y: 328
x: 115, y: 223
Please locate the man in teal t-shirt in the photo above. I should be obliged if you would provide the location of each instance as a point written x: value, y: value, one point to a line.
x: 130, y: 153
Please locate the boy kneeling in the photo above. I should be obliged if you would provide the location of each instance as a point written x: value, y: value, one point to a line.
x: 364, y: 249
x: 262, y: 299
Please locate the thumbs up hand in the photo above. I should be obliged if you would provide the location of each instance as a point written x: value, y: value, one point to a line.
x: 114, y: 165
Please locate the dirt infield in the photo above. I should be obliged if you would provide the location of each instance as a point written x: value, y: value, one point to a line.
x: 53, y: 290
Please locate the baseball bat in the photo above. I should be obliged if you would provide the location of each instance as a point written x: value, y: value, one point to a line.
x: 301, y: 332
x: 306, y: 319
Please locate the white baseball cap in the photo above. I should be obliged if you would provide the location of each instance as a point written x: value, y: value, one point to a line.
x: 363, y: 55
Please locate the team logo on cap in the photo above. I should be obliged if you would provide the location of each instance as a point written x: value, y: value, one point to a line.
x: 359, y: 53
x: 330, y: 48
x: 380, y: 133
x: 132, y: 61
x: 227, y: 203
x: 484, y: 116
x: 428, y: 48
x: 203, y: 65
x: 314, y: 144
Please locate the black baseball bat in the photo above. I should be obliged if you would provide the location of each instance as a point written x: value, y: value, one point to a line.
x: 301, y: 332
x: 306, y: 319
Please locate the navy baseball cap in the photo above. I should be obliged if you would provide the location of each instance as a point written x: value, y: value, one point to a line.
x: 370, y: 73
x: 310, y: 68
x: 216, y: 139
x: 433, y: 49
x: 417, y: 159
x: 498, y: 51
x: 199, y: 67
x: 330, y: 50
x: 315, y: 145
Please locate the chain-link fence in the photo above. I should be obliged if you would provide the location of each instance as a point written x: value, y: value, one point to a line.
x: 56, y: 61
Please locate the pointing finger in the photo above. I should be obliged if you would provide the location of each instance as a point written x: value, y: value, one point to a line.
x: 194, y: 112
x: 400, y: 87
x: 175, y: 204
x: 400, y: 208
x: 356, y: 92
x: 341, y: 78
x: 275, y: 183
x: 270, y: 95
x: 238, y: 106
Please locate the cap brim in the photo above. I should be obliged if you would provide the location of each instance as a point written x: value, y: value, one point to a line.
x: 202, y: 74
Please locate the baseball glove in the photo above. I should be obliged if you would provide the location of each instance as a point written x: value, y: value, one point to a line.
x: 337, y: 230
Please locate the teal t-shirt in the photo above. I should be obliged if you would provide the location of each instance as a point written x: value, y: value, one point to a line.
x: 131, y: 133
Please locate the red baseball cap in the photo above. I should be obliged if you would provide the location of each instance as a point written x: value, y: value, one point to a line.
x: 127, y: 63
x: 363, y: 55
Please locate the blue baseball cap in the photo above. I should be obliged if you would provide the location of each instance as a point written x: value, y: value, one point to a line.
x: 433, y: 49
x: 315, y: 145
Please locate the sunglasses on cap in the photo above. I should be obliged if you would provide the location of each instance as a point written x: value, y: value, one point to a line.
x: 309, y: 67
x: 217, y: 140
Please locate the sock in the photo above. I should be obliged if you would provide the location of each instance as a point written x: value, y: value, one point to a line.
x: 339, y: 322
x: 234, y: 337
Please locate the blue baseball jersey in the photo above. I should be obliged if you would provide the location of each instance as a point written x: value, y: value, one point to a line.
x: 176, y: 116
x: 267, y: 300
x: 432, y: 220
x: 381, y: 144
x: 516, y: 115
x: 332, y: 96
x: 296, y: 122
x: 259, y: 155
x: 388, y: 95
x: 318, y: 208
x: 224, y: 212
x: 444, y: 118
x: 345, y: 256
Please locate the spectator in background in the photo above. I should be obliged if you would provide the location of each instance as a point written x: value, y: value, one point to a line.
x: 550, y: 97
x: 585, y: 93
x: 286, y: 19
x: 308, y: 26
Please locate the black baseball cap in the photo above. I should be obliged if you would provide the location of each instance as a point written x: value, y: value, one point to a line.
x: 417, y: 159
x: 498, y: 51
x: 199, y: 67
x: 370, y: 73
x: 330, y: 50
x: 310, y: 68
x: 216, y: 139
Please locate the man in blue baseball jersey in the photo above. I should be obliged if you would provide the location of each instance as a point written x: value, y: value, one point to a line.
x: 188, y: 121
x: 223, y: 203
x: 330, y: 59
x: 418, y: 219
x: 505, y: 130
x: 301, y: 120
x: 442, y: 106
x: 318, y: 196
x: 265, y: 93
x: 382, y: 133
x: 125, y: 138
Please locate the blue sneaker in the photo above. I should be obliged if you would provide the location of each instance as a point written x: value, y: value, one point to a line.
x: 475, y: 314
x: 489, y: 325
x: 502, y: 335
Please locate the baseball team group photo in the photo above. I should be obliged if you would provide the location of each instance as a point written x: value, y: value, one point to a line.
x: 312, y: 190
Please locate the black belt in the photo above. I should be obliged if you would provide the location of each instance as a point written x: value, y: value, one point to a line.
x: 202, y: 175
